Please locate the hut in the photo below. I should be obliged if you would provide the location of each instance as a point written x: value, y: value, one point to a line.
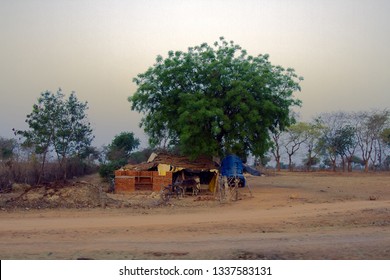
x: 163, y: 169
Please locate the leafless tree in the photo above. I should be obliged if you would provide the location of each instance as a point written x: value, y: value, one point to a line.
x: 296, y: 135
x: 370, y: 126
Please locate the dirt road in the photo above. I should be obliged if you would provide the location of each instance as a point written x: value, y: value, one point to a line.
x: 290, y: 216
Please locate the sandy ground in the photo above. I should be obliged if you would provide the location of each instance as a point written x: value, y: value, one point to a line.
x: 290, y: 216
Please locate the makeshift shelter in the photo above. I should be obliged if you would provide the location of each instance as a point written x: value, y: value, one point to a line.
x: 163, y: 169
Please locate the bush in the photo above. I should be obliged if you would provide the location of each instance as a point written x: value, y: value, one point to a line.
x: 5, y: 178
x: 27, y: 172
x: 107, y: 170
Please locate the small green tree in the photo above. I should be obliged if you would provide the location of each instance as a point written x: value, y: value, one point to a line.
x: 385, y: 136
x: 57, y: 125
x: 336, y: 143
x: 313, y: 135
x: 118, y: 153
x: 7, y: 147
x: 215, y: 100
x: 74, y: 134
x: 122, y: 145
x: 371, y: 125
x: 351, y: 121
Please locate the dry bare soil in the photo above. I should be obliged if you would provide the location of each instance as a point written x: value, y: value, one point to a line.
x: 290, y: 216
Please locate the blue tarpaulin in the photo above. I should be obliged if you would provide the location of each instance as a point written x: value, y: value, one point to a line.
x: 232, y: 166
x: 251, y: 171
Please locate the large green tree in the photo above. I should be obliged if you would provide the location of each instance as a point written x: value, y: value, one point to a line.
x: 58, y: 125
x: 215, y: 100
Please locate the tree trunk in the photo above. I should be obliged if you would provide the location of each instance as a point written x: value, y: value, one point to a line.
x: 334, y: 165
x: 278, y: 163
x: 349, y: 165
x: 64, y: 167
x: 343, y: 163
x: 290, y: 167
x: 41, y: 173
x: 366, y: 167
x: 309, y: 161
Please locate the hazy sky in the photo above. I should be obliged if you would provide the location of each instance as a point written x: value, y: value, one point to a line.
x: 96, y: 47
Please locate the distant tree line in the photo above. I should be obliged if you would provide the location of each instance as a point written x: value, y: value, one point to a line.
x: 57, y: 144
x: 337, y: 140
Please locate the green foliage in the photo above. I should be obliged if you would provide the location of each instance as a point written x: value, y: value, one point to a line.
x: 42, y: 122
x: 262, y: 161
x: 122, y: 145
x: 357, y: 160
x: 299, y: 130
x: 215, y: 100
x: 313, y: 133
x: 58, y: 125
x: 337, y: 142
x: 310, y: 161
x: 386, y: 162
x: 73, y: 135
x: 370, y: 131
x: 140, y: 156
x: 385, y: 136
x: 7, y: 147
x: 118, y: 153
x: 106, y: 170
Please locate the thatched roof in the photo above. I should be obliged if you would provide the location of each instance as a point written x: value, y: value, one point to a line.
x: 199, y: 164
